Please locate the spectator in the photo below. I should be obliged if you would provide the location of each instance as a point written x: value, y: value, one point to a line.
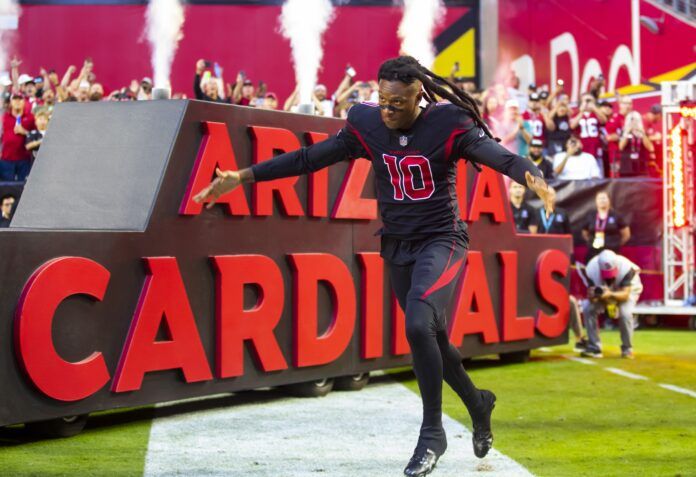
x: 535, y: 117
x: 587, y: 123
x: 96, y: 92
x: 270, y: 102
x: 522, y: 213
x: 35, y: 136
x: 6, y: 210
x: 490, y: 112
x: 653, y: 128
x: 614, y: 288
x: 556, y: 223
x: 513, y: 130
x: 205, y: 87
x: 16, y: 124
x: 145, y: 91
x: 243, y: 91
x: 614, y: 129
x: 325, y: 105
x: 573, y: 164
x: 558, y: 126
x: 635, y: 146
x: 536, y: 155
x: 604, y: 228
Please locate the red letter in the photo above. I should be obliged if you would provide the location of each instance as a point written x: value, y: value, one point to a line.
x: 49, y: 285
x: 163, y: 298
x: 552, y: 262
x: 349, y: 203
x: 514, y: 327
x: 309, y: 270
x: 266, y: 141
x: 473, y: 312
x: 488, y: 196
x: 235, y: 324
x: 372, y: 294
x: 318, y: 187
x: 398, y: 338
x: 215, y: 151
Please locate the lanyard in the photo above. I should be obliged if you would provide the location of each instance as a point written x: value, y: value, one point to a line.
x: 547, y: 222
x: 599, y: 225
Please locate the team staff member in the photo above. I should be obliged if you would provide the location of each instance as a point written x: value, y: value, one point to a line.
x: 557, y: 222
x: 424, y: 243
x: 604, y: 228
x: 522, y: 213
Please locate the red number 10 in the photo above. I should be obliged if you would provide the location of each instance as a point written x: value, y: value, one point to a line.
x: 401, y: 173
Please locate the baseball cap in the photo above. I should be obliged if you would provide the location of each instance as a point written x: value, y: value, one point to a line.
x: 146, y: 80
x: 534, y: 97
x: 320, y: 86
x: 24, y: 78
x: 605, y: 103
x: 271, y: 95
x: 512, y: 103
x: 248, y: 82
x: 607, y: 264
x: 536, y: 143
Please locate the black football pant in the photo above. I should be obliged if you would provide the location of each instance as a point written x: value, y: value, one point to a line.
x: 423, y: 275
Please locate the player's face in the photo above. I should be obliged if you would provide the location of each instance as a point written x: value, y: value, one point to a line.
x: 399, y: 103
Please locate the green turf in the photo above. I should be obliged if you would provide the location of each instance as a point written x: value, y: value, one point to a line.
x: 561, y: 418
x: 113, y: 444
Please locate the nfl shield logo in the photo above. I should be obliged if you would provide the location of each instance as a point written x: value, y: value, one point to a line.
x: 403, y: 141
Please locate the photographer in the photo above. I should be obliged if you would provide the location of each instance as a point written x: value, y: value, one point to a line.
x: 614, y: 287
x: 635, y: 146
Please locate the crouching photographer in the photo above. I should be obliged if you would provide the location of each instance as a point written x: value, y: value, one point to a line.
x: 614, y: 287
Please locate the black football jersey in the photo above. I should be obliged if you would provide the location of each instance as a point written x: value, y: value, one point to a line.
x: 415, y: 169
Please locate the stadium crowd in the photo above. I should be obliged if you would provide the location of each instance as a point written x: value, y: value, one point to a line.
x: 594, y: 139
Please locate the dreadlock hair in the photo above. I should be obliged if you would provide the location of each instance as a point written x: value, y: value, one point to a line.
x: 407, y: 69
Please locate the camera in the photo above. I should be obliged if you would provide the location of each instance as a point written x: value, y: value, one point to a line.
x: 597, y: 292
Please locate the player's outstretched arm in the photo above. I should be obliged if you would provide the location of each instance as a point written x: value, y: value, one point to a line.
x: 476, y: 146
x: 302, y: 161
x: 226, y: 181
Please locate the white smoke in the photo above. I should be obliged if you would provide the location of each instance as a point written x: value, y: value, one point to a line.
x: 417, y: 27
x: 164, y: 19
x: 9, y: 16
x: 303, y: 22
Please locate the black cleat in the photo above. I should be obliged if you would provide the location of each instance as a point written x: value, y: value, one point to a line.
x: 422, y: 463
x: 483, y: 437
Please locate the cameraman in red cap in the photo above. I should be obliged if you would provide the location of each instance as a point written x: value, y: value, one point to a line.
x: 614, y: 287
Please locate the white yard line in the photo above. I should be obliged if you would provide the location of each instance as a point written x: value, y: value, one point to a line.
x: 626, y: 374
x: 371, y: 432
x: 580, y: 360
x: 677, y: 389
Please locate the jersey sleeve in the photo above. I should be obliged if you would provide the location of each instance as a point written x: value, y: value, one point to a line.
x: 473, y: 144
x: 340, y: 147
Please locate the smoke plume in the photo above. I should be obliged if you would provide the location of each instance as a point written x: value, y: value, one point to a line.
x: 163, y: 29
x: 9, y: 14
x: 303, y: 22
x: 417, y: 27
